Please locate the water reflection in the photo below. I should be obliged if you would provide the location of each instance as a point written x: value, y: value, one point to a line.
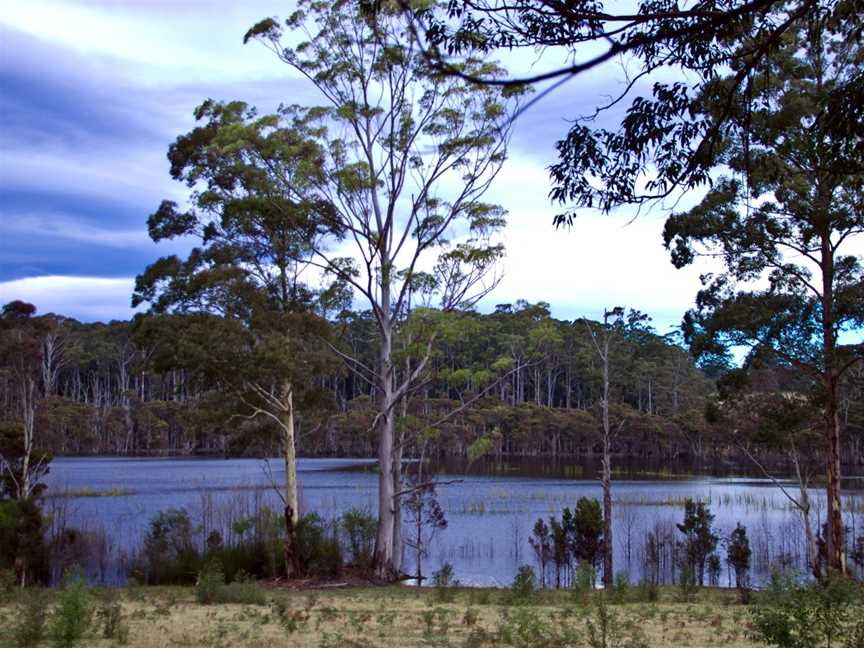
x: 490, y: 511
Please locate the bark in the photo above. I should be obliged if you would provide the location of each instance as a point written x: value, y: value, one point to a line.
x: 836, y: 542
x: 292, y: 508
x: 385, y: 549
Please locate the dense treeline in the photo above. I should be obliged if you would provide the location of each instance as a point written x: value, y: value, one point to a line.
x: 526, y: 383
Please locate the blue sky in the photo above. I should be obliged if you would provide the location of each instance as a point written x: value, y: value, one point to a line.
x: 92, y: 94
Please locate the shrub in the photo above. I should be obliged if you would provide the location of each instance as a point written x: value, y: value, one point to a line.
x: 444, y: 580
x: 243, y: 590
x: 169, y: 556
x: 32, y: 613
x: 211, y: 580
x: 814, y: 615
x: 524, y: 587
x: 603, y: 629
x: 527, y: 628
x: 318, y: 548
x: 74, y: 611
x: 110, y: 614
x: 648, y: 590
x: 620, y: 588
x: 583, y: 583
x: 687, y: 585
x: 22, y: 539
x: 211, y: 587
x: 359, y: 528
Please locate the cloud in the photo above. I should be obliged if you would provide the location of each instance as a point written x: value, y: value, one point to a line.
x: 84, y: 298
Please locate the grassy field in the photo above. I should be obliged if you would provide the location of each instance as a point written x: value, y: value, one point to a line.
x: 396, y: 617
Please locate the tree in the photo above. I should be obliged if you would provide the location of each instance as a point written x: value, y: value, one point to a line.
x: 405, y: 154
x: 738, y: 555
x: 785, y: 215
x: 589, y: 541
x: 23, y: 356
x: 604, y: 339
x: 243, y: 315
x: 699, y: 539
x: 659, y: 146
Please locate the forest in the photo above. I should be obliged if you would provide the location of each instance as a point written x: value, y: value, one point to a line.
x: 529, y: 383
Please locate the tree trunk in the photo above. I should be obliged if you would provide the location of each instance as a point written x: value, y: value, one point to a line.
x: 292, y: 508
x: 608, y: 546
x: 385, y: 549
x: 835, y: 539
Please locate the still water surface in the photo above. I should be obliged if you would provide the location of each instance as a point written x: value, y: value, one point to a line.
x: 490, y: 516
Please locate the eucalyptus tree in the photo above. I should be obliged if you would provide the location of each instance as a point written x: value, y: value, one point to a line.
x: 243, y: 314
x: 609, y: 339
x: 406, y: 156
x: 784, y: 219
x: 662, y: 142
x: 30, y: 353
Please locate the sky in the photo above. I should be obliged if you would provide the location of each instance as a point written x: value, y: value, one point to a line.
x: 92, y: 93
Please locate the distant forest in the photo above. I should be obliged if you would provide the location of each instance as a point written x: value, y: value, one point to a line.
x: 517, y: 382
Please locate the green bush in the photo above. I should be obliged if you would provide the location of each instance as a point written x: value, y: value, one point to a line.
x: 603, y: 629
x: 211, y: 587
x: 524, y: 588
x: 318, y: 548
x: 31, y: 617
x: 211, y: 580
x: 583, y: 582
x: 169, y: 556
x: 526, y: 628
x: 620, y: 590
x: 359, y: 528
x: 790, y: 615
x: 687, y: 584
x: 22, y: 539
x: 443, y: 582
x: 73, y: 613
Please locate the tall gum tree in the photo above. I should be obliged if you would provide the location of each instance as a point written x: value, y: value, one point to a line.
x: 408, y: 154
x: 784, y: 219
x: 243, y: 314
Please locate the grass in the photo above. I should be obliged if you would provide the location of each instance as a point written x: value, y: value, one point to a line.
x: 399, y: 616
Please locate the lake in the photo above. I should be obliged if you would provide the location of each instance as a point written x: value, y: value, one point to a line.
x: 490, y: 515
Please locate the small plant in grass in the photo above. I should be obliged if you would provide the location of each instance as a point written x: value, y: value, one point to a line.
x: 444, y: 582
x: 583, y: 583
x: 687, y: 584
x: 73, y: 613
x: 524, y: 588
x: 526, y: 628
x: 32, y: 613
x: 470, y: 617
x: 211, y: 580
x: 479, y: 597
x: 603, y: 629
x: 7, y: 585
x: 110, y: 615
x: 292, y: 621
x: 648, y: 591
x: 620, y: 589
